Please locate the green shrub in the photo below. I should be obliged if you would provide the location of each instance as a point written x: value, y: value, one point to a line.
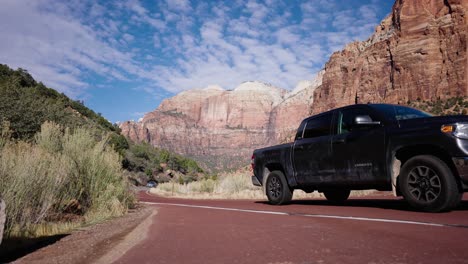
x: 62, y: 172
x: 146, y: 158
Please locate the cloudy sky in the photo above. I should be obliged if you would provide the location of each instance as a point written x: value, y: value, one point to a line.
x: 123, y: 57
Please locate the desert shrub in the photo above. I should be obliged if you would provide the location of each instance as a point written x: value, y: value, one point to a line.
x: 146, y: 158
x: 234, y: 183
x: 61, y: 172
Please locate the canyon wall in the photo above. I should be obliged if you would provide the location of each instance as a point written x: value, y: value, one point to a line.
x: 418, y: 52
x: 221, y: 128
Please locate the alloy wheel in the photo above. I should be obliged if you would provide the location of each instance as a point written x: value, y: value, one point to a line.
x: 424, y: 184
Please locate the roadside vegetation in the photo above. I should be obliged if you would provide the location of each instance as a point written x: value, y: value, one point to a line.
x: 229, y: 185
x: 146, y: 163
x: 63, y: 166
x: 59, y: 176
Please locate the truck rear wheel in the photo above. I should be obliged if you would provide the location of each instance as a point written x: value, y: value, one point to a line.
x: 428, y: 184
x: 337, y: 196
x: 277, y: 188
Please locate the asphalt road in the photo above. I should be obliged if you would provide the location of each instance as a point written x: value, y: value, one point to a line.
x: 370, y: 230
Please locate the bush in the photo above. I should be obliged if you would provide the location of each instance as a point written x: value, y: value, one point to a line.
x: 62, y: 172
x: 143, y: 157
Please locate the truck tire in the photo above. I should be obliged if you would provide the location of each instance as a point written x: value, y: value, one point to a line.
x: 337, y: 196
x: 428, y: 184
x: 277, y: 189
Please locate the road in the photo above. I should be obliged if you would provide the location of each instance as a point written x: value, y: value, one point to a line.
x: 370, y: 230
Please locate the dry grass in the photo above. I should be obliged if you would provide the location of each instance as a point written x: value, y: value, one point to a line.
x: 236, y: 185
x: 61, y: 173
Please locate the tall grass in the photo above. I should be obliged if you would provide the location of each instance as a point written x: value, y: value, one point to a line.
x: 61, y: 172
x: 234, y: 185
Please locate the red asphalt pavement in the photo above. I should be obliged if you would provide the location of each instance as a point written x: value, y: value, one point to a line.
x: 307, y: 231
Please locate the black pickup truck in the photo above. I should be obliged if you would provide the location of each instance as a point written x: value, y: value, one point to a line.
x: 386, y: 147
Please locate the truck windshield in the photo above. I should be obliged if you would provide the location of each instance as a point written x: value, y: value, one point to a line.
x: 397, y: 112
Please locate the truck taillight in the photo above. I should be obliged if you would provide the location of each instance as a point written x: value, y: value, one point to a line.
x: 253, y: 162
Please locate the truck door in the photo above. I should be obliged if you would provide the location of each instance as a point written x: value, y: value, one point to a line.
x: 358, y: 150
x: 311, y: 155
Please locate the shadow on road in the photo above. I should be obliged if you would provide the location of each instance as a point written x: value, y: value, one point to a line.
x: 15, y: 248
x: 393, y: 204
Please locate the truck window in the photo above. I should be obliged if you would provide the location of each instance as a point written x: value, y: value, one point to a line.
x: 397, y: 112
x: 318, y: 126
x: 346, y: 119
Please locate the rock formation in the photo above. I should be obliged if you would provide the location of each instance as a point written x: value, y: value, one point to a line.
x: 221, y: 128
x: 419, y: 51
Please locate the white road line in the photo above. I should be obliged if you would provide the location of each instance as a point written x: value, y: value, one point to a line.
x: 220, y: 208
x: 377, y: 220
x: 368, y: 219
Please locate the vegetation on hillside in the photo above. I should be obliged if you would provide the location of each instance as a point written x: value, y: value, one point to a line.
x: 27, y: 104
x: 451, y: 106
x: 150, y: 163
x: 60, y: 162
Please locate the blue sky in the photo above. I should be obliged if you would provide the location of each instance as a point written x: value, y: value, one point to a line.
x: 123, y: 57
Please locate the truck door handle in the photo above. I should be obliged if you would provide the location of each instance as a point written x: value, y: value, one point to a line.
x: 299, y: 147
x: 339, y: 141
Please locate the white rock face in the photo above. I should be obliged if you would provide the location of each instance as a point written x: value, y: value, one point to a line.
x: 213, y: 87
x: 276, y: 94
x: 314, y: 83
x: 223, y: 127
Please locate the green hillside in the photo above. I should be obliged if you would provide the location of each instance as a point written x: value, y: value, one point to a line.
x: 59, y: 160
x: 26, y: 104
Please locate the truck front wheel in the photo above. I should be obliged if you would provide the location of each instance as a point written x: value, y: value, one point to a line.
x: 428, y: 184
x: 277, y: 189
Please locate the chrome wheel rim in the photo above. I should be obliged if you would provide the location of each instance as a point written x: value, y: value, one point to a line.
x: 424, y: 184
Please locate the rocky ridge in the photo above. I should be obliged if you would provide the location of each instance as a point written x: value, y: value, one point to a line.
x: 221, y: 127
x: 418, y: 52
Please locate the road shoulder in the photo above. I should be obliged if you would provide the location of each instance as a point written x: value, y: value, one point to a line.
x: 97, y: 242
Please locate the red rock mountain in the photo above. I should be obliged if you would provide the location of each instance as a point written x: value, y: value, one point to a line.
x: 221, y: 128
x: 419, y: 51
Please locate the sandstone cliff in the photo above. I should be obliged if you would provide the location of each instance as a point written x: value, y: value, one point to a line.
x: 419, y: 51
x: 221, y: 128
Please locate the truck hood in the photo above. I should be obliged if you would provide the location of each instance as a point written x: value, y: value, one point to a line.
x: 434, y: 121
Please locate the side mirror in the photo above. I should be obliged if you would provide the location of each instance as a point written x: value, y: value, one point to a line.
x: 365, y: 120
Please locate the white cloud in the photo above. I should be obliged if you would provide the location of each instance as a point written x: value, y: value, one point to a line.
x: 128, y: 37
x: 156, y: 41
x: 183, y: 44
x: 53, y: 46
x: 287, y: 36
x: 136, y: 6
x: 179, y: 5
